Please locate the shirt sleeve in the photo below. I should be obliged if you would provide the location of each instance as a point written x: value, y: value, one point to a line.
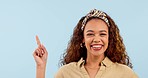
x: 59, y: 74
x: 130, y: 73
x: 135, y: 75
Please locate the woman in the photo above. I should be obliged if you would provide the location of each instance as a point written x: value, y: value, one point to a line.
x: 96, y: 50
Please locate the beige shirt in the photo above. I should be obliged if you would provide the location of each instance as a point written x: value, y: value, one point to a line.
x: 108, y: 69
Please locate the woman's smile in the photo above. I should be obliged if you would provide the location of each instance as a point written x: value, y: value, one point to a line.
x: 96, y: 47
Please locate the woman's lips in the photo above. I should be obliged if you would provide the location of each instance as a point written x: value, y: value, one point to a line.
x: 96, y: 47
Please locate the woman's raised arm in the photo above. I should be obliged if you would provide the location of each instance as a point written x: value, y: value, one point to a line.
x: 40, y: 55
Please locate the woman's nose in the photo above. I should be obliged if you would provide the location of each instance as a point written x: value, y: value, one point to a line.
x: 96, y: 39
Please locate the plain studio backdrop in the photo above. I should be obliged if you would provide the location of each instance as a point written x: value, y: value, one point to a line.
x: 53, y: 21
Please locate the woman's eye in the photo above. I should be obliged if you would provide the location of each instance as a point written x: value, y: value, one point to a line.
x: 90, y: 34
x: 103, y: 34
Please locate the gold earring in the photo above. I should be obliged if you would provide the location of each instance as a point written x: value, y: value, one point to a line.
x: 81, y: 45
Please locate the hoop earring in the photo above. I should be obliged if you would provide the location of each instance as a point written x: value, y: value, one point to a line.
x: 82, y: 45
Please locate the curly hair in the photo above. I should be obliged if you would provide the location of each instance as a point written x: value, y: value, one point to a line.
x: 116, y: 51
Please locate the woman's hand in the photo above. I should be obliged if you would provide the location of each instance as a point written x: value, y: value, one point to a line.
x: 40, y: 54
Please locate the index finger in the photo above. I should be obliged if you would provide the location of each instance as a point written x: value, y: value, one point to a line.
x: 37, y: 40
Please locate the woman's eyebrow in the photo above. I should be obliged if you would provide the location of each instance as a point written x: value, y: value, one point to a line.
x: 93, y: 31
x: 89, y: 31
x: 102, y: 31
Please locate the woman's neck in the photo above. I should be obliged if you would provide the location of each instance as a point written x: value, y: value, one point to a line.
x: 94, y: 61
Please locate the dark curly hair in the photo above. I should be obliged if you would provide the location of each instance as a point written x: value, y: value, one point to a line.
x: 116, y: 51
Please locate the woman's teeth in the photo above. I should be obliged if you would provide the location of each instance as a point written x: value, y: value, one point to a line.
x: 97, y: 46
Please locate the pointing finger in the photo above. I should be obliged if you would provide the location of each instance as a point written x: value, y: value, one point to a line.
x: 37, y: 40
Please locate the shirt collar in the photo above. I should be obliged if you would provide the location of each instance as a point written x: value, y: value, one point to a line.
x: 81, y: 62
x: 106, y: 62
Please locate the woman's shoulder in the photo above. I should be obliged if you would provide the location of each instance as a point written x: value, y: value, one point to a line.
x: 126, y: 70
x: 65, y: 69
x: 67, y: 66
x: 123, y: 67
x: 73, y: 65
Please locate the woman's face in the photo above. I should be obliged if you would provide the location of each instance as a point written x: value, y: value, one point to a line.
x: 96, y: 37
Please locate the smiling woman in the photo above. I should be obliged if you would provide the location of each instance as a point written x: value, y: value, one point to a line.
x: 96, y: 38
x: 96, y: 50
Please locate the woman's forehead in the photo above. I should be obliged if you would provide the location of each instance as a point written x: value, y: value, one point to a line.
x: 96, y: 24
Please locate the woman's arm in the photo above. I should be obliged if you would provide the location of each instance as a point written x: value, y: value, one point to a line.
x: 40, y: 55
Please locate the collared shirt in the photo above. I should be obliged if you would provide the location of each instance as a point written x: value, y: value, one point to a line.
x: 108, y: 69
